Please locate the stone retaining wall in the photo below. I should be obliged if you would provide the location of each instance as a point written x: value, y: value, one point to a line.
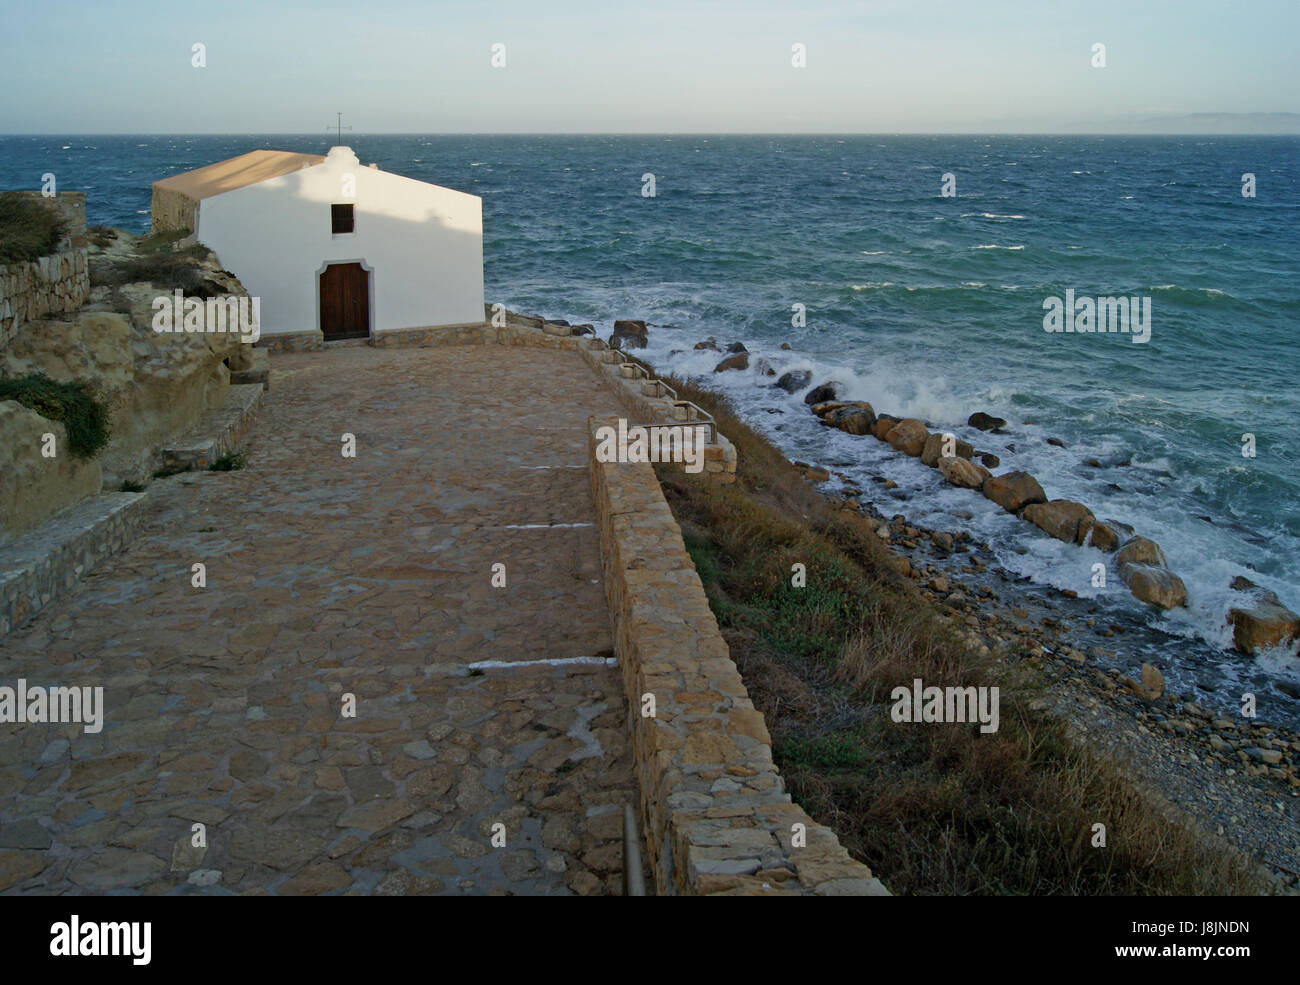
x: 52, y: 284
x: 42, y: 565
x: 714, y: 812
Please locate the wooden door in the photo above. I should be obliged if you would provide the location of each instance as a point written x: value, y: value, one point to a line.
x: 345, y: 302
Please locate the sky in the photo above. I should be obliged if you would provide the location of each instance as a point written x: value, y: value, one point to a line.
x: 615, y: 66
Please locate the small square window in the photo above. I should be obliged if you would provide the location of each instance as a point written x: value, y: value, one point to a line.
x: 342, y: 219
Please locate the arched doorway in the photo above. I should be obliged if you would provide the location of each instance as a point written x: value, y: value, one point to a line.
x: 345, y: 302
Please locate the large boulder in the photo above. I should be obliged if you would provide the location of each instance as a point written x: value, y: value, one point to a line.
x: 156, y: 385
x: 854, y: 418
x: 1266, y: 623
x: 1062, y: 519
x: 821, y: 394
x: 961, y: 472
x: 985, y: 422
x: 884, y: 424
x: 1104, y: 536
x: 794, y: 380
x: 739, y: 361
x: 908, y: 436
x: 1140, y: 550
x: 933, y: 450
x: 32, y: 486
x: 1013, y: 491
x: 1154, y: 585
x: 629, y: 334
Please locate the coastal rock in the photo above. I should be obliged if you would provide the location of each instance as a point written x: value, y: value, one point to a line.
x: 1265, y: 624
x: 710, y: 343
x: 985, y: 422
x: 786, y: 346
x: 1154, y: 585
x: 1013, y: 491
x: 584, y: 329
x: 884, y: 424
x: 908, y: 436
x: 1104, y: 537
x: 823, y: 393
x: 1153, y: 683
x: 737, y: 347
x: 989, y: 460
x: 962, y: 473
x: 739, y: 361
x: 854, y: 418
x: 629, y: 334
x: 1140, y: 550
x: 31, y: 485
x: 155, y: 385
x: 1062, y: 519
x: 933, y: 450
x: 795, y: 379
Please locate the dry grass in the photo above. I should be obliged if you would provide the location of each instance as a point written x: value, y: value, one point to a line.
x: 933, y: 809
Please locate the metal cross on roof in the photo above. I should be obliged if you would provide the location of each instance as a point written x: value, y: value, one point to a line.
x: 339, y: 127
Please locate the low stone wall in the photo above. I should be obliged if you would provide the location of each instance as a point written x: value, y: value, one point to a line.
x: 312, y: 341
x: 652, y: 403
x: 171, y: 211
x: 42, y: 565
x: 53, y: 284
x: 714, y: 812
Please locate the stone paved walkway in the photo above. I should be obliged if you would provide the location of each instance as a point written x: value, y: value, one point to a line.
x: 329, y: 576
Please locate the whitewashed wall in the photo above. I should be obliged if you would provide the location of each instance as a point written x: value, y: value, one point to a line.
x: 422, y: 243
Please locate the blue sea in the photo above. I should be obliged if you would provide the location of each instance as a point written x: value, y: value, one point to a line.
x: 925, y: 305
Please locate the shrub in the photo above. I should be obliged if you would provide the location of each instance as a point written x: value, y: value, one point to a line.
x: 29, y: 229
x: 102, y: 236
x: 74, y: 405
x: 231, y: 461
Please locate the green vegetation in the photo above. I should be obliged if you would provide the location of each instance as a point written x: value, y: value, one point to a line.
x: 29, y: 229
x: 101, y: 236
x: 162, y: 241
x: 932, y: 809
x: 129, y: 486
x: 74, y: 405
x: 231, y: 461
x: 159, y: 263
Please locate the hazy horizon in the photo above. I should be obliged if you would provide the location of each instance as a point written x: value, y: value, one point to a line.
x: 573, y: 67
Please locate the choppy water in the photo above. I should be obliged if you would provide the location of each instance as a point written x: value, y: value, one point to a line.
x: 924, y: 305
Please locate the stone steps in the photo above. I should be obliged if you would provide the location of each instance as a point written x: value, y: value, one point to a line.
x: 220, y: 431
x: 259, y: 372
x: 51, y: 558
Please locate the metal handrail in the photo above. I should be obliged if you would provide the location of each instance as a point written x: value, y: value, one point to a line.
x: 701, y: 414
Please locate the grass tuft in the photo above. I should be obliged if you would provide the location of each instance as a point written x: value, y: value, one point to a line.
x: 933, y: 809
x: 29, y: 229
x: 74, y: 405
x: 231, y: 461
